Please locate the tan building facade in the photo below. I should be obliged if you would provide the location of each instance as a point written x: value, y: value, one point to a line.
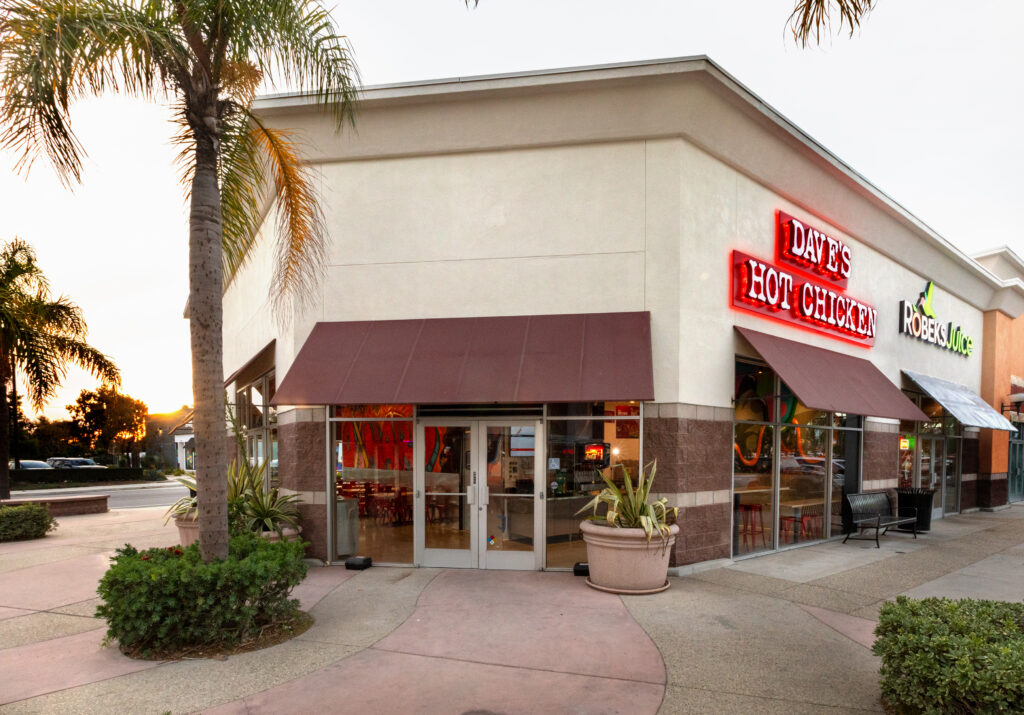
x: 664, y: 193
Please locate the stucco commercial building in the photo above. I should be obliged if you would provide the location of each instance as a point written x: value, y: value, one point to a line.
x: 532, y: 278
x: 1002, y: 385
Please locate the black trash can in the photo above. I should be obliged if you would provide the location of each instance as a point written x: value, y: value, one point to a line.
x: 920, y: 499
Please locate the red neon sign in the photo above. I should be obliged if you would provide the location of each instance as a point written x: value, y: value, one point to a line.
x: 776, y: 292
x: 802, y: 246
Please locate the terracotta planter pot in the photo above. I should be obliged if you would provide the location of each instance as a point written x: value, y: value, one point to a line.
x: 623, y: 561
x: 188, y: 529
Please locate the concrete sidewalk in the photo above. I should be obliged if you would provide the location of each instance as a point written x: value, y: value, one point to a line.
x: 784, y: 633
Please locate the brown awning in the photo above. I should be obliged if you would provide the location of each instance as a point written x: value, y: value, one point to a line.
x: 528, y: 358
x: 261, y: 362
x: 827, y: 380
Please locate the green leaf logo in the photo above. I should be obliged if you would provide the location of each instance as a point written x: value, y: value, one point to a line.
x: 924, y: 303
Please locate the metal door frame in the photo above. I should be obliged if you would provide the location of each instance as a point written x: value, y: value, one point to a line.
x: 477, y: 556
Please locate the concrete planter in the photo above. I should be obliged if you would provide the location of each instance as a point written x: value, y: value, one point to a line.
x: 188, y: 531
x: 188, y: 528
x: 623, y: 561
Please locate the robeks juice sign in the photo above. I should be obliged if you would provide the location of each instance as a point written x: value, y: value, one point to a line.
x: 918, y: 320
x: 812, y: 293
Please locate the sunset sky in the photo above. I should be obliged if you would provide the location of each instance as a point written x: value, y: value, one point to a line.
x: 925, y: 101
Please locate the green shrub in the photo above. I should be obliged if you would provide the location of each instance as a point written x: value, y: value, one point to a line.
x: 945, y: 656
x: 28, y: 521
x: 169, y: 601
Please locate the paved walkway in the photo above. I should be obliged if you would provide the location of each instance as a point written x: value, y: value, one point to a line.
x: 787, y: 633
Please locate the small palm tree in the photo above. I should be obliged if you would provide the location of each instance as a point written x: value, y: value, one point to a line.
x: 813, y: 17
x: 210, y: 56
x: 39, y: 336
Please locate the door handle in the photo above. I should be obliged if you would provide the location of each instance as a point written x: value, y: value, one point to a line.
x: 485, y: 495
x: 541, y: 495
x: 469, y: 496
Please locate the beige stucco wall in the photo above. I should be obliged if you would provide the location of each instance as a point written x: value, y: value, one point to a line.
x: 548, y: 201
x: 725, y: 210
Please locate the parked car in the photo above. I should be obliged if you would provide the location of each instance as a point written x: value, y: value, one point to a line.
x: 73, y: 463
x: 30, y: 464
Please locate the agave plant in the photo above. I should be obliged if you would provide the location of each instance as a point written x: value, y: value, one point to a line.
x: 269, y: 511
x: 187, y: 504
x: 628, y: 507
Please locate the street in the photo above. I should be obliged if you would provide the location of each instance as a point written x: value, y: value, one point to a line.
x: 121, y: 496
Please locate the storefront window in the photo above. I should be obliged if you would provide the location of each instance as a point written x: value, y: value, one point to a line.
x: 594, y: 409
x: 755, y: 393
x: 373, y: 489
x: 753, y: 479
x: 934, y: 411
x: 927, y: 459
x: 796, y: 412
x: 257, y: 422
x: 579, y: 454
x: 377, y: 412
x: 791, y: 464
x: 803, y: 462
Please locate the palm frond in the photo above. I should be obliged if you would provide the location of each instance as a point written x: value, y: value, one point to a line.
x: 814, y: 17
x: 56, y: 51
x: 299, y: 44
x: 301, y: 242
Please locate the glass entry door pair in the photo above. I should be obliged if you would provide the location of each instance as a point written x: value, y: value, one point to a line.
x: 477, y: 502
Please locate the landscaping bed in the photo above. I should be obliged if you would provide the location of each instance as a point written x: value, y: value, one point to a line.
x: 951, y: 656
x: 168, y: 604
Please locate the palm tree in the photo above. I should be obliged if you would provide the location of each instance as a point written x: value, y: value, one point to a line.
x: 210, y: 56
x: 38, y: 336
x: 812, y: 17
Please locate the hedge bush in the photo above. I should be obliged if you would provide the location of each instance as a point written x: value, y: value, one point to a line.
x: 27, y: 521
x: 169, y: 601
x: 56, y: 476
x: 951, y: 656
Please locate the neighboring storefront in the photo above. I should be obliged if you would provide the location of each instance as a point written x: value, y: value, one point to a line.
x: 534, y: 278
x: 1001, y: 479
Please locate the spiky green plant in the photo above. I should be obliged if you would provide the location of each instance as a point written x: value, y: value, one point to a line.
x: 628, y: 507
x: 269, y: 511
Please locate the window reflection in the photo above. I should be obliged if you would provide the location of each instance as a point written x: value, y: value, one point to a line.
x: 752, y: 488
x: 792, y: 464
x: 803, y: 459
x: 755, y: 386
x: 579, y: 454
x: 373, y: 490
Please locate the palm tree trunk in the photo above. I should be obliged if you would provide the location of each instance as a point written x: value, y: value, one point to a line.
x: 206, y: 318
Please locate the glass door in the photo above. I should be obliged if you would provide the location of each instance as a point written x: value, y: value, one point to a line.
x: 932, y: 463
x: 445, y: 495
x: 511, y: 500
x: 477, y: 501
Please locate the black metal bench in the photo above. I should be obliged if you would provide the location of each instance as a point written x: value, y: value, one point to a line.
x: 873, y: 511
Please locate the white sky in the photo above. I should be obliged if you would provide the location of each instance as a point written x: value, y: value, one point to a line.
x: 925, y: 101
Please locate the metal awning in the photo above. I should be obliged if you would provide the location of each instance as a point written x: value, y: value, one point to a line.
x: 827, y: 380
x: 966, y: 405
x: 529, y: 358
